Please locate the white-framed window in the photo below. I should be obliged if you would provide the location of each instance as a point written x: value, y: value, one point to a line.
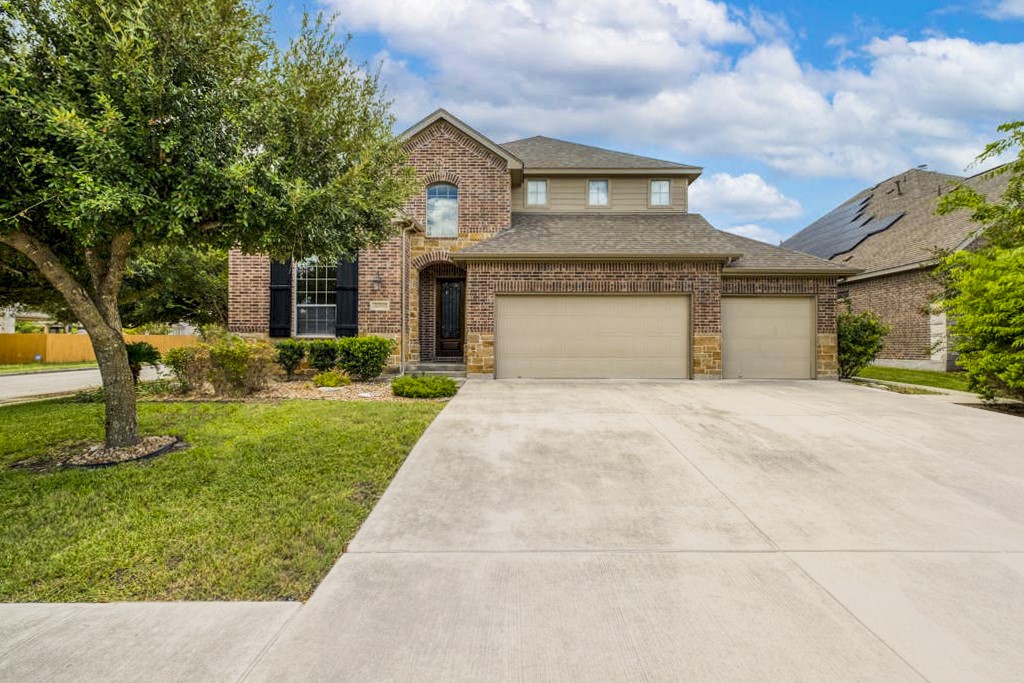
x: 316, y: 290
x: 536, y: 192
x: 661, y: 193
x: 597, y: 193
x: 442, y: 210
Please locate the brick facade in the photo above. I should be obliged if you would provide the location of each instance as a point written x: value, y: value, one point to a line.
x: 248, y: 293
x: 442, y: 153
x: 902, y: 301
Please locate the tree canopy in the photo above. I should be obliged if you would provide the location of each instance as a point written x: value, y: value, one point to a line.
x: 127, y: 127
x: 984, y: 295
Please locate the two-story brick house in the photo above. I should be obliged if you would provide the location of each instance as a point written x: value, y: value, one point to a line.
x: 545, y: 258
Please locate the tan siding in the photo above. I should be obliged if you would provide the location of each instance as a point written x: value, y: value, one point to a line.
x: 628, y: 193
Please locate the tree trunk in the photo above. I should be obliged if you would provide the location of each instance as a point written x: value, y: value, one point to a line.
x: 122, y: 425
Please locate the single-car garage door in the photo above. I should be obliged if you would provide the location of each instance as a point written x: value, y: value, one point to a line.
x: 616, y: 337
x: 768, y: 337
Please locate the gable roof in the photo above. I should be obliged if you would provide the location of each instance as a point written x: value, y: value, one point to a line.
x: 548, y: 154
x: 637, y: 236
x: 893, y: 225
x: 514, y: 162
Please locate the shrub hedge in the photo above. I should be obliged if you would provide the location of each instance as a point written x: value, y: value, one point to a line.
x: 424, y: 386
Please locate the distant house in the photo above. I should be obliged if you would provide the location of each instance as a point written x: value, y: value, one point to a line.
x: 892, y: 233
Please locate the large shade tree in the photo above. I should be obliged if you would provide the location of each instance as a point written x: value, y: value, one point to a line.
x: 128, y: 125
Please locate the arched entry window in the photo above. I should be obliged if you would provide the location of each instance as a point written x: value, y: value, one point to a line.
x: 442, y: 210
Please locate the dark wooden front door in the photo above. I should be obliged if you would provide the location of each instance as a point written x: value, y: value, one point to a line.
x: 451, y: 296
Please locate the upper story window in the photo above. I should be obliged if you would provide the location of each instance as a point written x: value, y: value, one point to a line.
x: 661, y: 193
x: 536, y: 192
x: 597, y: 192
x: 315, y: 298
x: 442, y: 210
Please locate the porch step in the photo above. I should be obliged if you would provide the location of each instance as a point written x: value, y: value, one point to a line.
x: 448, y: 369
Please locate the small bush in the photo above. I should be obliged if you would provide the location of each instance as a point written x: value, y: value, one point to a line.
x: 861, y: 337
x: 239, y: 366
x: 290, y: 353
x: 139, y: 354
x: 190, y: 365
x: 424, y: 386
x: 323, y: 354
x: 365, y: 357
x: 332, y: 378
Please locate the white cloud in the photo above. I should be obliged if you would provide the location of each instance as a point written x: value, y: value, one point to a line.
x: 663, y: 72
x: 744, y: 197
x: 756, y: 232
x: 1005, y: 9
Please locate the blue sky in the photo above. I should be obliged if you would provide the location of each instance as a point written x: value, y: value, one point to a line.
x: 790, y: 107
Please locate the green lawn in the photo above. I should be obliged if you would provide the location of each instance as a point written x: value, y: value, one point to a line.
x: 45, y: 367
x: 258, y: 508
x: 928, y: 378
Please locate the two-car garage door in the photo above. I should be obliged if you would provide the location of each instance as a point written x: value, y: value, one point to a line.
x: 588, y: 337
x: 648, y: 337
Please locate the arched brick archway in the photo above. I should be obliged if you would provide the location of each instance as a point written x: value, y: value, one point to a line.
x: 438, y: 256
x: 438, y: 279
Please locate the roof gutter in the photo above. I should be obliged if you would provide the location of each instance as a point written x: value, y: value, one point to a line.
x: 920, y: 265
x: 653, y: 171
x: 834, y: 272
x: 562, y: 256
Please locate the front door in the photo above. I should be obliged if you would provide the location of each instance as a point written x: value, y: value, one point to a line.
x: 450, y: 317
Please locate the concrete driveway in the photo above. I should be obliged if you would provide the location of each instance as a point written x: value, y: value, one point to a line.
x: 683, y: 531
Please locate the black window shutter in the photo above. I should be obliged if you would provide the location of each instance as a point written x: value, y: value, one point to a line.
x: 347, y: 320
x: 280, y: 299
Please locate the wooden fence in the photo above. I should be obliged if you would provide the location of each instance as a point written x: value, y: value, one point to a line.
x: 71, y: 348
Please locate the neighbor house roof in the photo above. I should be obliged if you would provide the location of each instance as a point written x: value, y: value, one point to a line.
x: 893, y: 225
x: 598, y: 236
x: 540, y: 153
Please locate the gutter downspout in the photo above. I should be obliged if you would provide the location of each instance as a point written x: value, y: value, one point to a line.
x: 402, y: 336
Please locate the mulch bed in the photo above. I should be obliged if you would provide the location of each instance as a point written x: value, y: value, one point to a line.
x: 298, y: 388
x: 89, y: 454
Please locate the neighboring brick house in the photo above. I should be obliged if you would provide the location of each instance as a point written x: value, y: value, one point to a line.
x: 546, y: 258
x: 892, y: 234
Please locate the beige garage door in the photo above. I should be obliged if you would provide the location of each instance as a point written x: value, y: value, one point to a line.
x: 768, y: 337
x: 641, y: 337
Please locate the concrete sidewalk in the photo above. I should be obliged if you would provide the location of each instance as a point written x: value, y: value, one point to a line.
x: 621, y: 531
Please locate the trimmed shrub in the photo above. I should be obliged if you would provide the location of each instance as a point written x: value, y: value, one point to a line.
x: 139, y: 354
x: 323, y: 354
x: 424, y: 386
x: 332, y: 378
x: 861, y: 337
x: 190, y: 365
x: 239, y: 366
x: 364, y: 357
x: 290, y: 353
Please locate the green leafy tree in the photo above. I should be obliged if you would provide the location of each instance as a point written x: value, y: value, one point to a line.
x: 861, y: 338
x: 986, y: 305
x: 984, y: 285
x: 128, y: 126
x: 161, y: 285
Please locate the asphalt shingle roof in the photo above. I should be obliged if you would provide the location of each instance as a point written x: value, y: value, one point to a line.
x: 637, y: 235
x: 543, y: 152
x: 916, y: 235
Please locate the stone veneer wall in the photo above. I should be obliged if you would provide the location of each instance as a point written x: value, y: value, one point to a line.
x: 248, y: 293
x: 701, y: 280
x: 824, y: 291
x: 902, y: 301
